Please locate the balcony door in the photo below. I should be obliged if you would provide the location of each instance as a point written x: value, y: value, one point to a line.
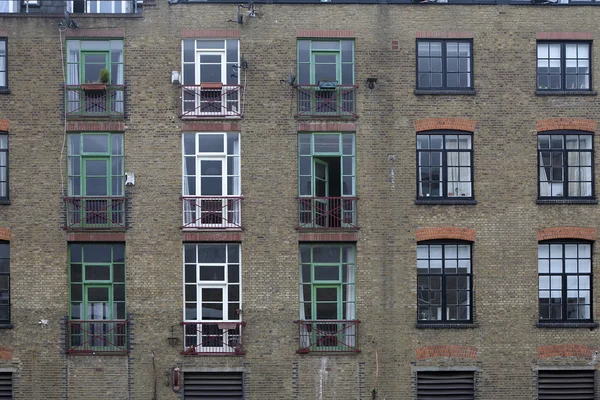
x: 321, y: 190
x: 326, y: 69
x: 211, y: 70
x: 212, y: 187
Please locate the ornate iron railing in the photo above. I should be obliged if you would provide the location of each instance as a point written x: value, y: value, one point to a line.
x: 327, y: 212
x: 97, y: 336
x: 95, y: 100
x: 328, y: 336
x: 212, y: 211
x: 211, y: 100
x: 220, y: 338
x: 95, y: 213
x: 314, y: 101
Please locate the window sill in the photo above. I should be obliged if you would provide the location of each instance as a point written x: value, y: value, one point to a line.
x: 5, y: 91
x: 566, y: 93
x: 446, y: 92
x: 446, y: 202
x: 567, y: 201
x: 6, y: 326
x: 4, y: 202
x: 567, y: 325
x: 441, y: 325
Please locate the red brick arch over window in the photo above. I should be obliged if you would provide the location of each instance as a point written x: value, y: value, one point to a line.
x: 577, y: 124
x: 446, y: 232
x: 4, y: 124
x: 423, y: 353
x: 568, y: 232
x: 457, y: 124
x: 566, y: 350
x: 5, y: 234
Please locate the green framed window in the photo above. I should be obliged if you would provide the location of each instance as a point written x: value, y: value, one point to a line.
x: 4, y: 282
x: 325, y: 61
x: 85, y: 59
x: 95, y: 164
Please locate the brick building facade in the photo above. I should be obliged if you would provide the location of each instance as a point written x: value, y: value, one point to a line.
x: 331, y: 201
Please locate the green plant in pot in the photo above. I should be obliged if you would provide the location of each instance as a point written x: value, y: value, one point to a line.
x: 104, y: 76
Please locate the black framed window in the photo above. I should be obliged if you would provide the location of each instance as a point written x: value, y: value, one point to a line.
x: 3, y: 166
x: 565, y: 281
x: 4, y: 282
x: 445, y: 165
x: 444, y: 64
x: 444, y: 279
x: 3, y: 64
x: 566, y: 164
x: 564, y: 66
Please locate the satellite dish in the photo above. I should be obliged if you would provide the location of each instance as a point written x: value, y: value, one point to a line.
x: 291, y: 79
x: 240, y: 16
x: 69, y: 21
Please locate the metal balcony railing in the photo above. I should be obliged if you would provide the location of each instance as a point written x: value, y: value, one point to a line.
x: 212, y: 212
x: 211, y: 100
x: 328, y: 336
x: 313, y: 101
x: 97, y: 336
x: 327, y: 212
x: 215, y: 338
x: 95, y: 100
x: 95, y: 213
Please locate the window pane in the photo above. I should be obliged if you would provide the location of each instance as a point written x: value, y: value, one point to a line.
x: 212, y: 143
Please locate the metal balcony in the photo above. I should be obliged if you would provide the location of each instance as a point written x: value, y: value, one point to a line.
x: 316, y: 102
x: 327, y: 212
x: 95, y: 213
x: 95, y: 100
x: 213, y: 338
x: 328, y: 336
x: 97, y: 336
x: 212, y: 212
x: 211, y: 100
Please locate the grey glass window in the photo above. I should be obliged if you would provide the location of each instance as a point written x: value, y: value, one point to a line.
x: 444, y: 65
x: 4, y: 282
x: 3, y: 64
x: 563, y: 66
x: 3, y: 166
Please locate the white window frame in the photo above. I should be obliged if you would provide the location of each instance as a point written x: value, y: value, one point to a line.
x: 13, y: 6
x: 125, y: 6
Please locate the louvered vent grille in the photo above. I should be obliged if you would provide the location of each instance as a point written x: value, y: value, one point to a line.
x: 447, y: 385
x: 5, y: 385
x: 213, y: 386
x: 565, y: 384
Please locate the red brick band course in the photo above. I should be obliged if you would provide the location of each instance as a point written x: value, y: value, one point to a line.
x: 324, y: 34
x: 458, y: 124
x: 96, y: 237
x: 211, y: 127
x: 210, y: 33
x: 95, y: 33
x: 5, y: 234
x: 6, y: 353
x: 326, y: 127
x: 577, y: 124
x: 446, y: 351
x: 212, y: 236
x: 568, y: 232
x: 565, y: 36
x: 566, y: 350
x: 4, y: 124
x: 446, y: 232
x: 328, y: 237
x: 95, y: 127
x: 444, y: 35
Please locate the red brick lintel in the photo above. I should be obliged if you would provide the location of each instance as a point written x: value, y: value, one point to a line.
x: 568, y: 232
x: 566, y: 350
x: 327, y: 127
x: 458, y: 124
x: 233, y: 236
x: 96, y: 237
x: 4, y: 125
x: 444, y: 35
x: 210, y: 33
x: 6, y: 353
x: 446, y: 232
x: 328, y: 237
x: 446, y: 351
x: 96, y: 33
x: 5, y: 234
x: 578, y: 124
x: 211, y: 127
x: 95, y: 127
x: 565, y: 36
x: 329, y: 33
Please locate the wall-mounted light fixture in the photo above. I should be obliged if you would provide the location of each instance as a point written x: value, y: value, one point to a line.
x: 175, y: 77
x: 371, y: 83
